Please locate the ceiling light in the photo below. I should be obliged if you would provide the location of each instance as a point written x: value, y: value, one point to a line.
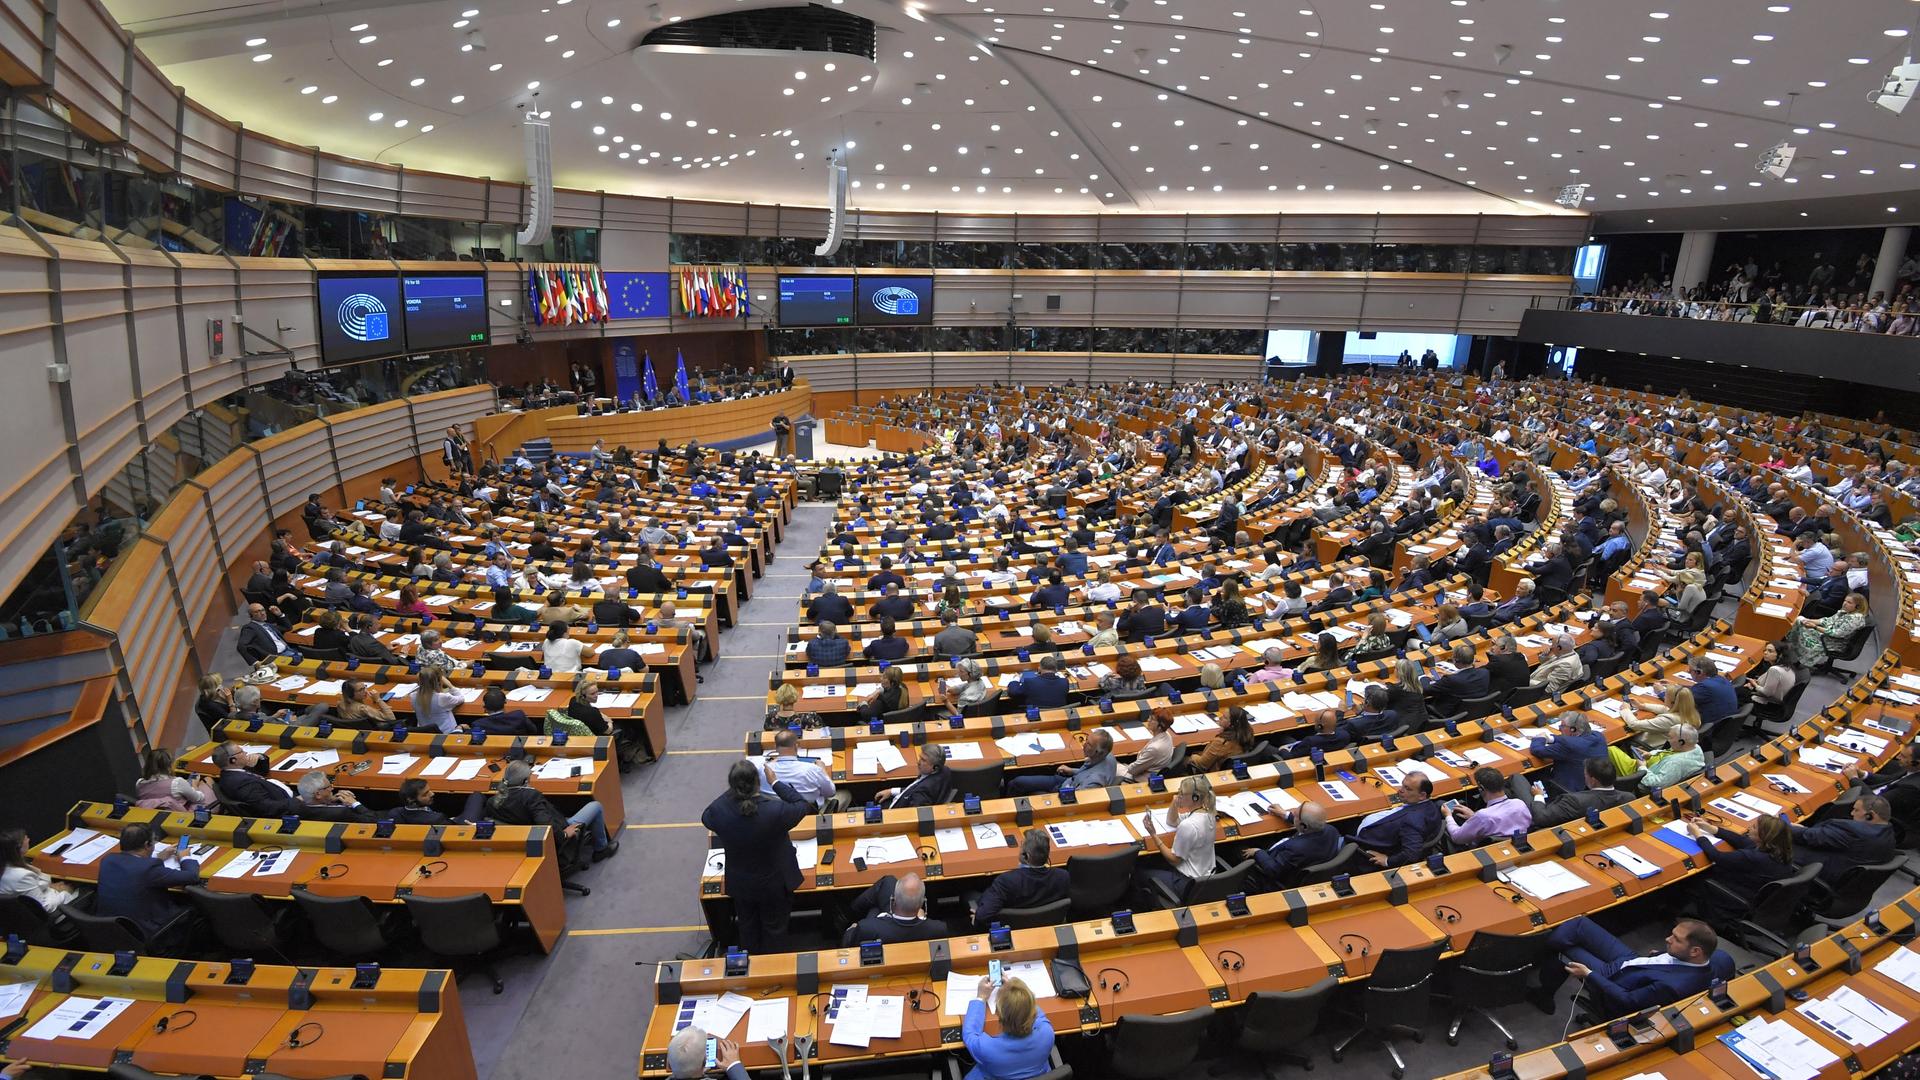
x: 369, y: 39
x: 357, y: 27
x: 262, y: 58
x: 375, y: 117
x: 254, y: 43
x: 457, y: 98
x: 330, y: 99
x: 416, y: 81
x: 308, y: 89
x: 424, y: 128
x: 496, y: 67
x: 400, y: 123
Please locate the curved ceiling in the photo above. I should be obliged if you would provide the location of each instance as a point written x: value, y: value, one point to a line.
x: 1226, y: 106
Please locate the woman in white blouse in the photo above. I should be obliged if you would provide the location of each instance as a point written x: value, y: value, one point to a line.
x: 20, y: 878
x: 1190, y: 856
x: 434, y: 701
x: 1157, y: 754
x: 560, y: 654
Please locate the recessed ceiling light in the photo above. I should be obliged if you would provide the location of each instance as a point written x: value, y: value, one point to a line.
x: 384, y: 63
x: 357, y: 27
x: 254, y: 43
x: 400, y: 123
x: 369, y: 39
x: 262, y: 58
x: 416, y: 81
x: 457, y: 98
x: 375, y: 117
x: 330, y: 99
x: 611, y: 23
x: 496, y: 67
x: 308, y: 89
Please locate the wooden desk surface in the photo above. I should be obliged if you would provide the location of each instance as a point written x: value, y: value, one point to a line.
x: 710, y: 423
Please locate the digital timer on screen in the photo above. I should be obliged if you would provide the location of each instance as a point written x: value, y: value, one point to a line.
x: 445, y: 311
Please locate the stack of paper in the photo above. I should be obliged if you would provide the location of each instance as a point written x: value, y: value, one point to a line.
x: 876, y: 757
x: 1544, y: 880
x: 310, y: 759
x: 1187, y: 723
x: 880, y: 850
x: 965, y: 751
x: 1245, y: 807
x: 77, y: 1018
x: 1777, y: 1049
x: 987, y: 836
x: 1338, y: 791
x: 528, y: 693
x: 291, y: 682
x: 562, y: 768
x: 1038, y: 742
x: 806, y: 853
x: 395, y: 764
x: 1090, y: 833
x: 616, y: 701
x: 1158, y: 663
x: 1902, y: 966
x: 1631, y: 861
x: 89, y: 849
x: 1853, y: 1016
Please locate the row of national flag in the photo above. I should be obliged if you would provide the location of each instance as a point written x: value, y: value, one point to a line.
x: 713, y: 292
x: 562, y: 295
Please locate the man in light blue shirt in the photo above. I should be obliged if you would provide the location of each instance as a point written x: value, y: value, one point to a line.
x: 804, y: 775
x: 500, y: 573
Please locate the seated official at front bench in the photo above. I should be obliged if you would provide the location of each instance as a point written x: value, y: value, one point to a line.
x: 1615, y: 980
x: 1097, y: 770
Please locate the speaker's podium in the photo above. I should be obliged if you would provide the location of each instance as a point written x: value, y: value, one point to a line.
x: 803, y: 437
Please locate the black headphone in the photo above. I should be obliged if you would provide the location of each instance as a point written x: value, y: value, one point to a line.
x: 331, y: 869
x: 1120, y: 983
x: 294, y: 1042
x: 913, y: 1001
x: 1239, y: 961
x: 1366, y: 944
x: 1447, y: 913
x: 166, y: 1023
x: 428, y: 869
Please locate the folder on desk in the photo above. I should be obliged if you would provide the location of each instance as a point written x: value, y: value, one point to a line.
x: 1672, y: 835
x: 1631, y: 861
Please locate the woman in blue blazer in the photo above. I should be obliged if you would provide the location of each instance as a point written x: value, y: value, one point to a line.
x: 1024, y: 1047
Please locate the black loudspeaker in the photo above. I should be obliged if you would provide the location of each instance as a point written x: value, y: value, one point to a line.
x: 1053, y: 301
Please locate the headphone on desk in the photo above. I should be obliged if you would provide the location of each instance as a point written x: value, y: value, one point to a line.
x: 1366, y: 944
x: 1447, y: 913
x: 1239, y: 960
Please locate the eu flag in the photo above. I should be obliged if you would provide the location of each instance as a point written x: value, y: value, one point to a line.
x: 680, y: 376
x: 637, y: 295
x: 649, y: 383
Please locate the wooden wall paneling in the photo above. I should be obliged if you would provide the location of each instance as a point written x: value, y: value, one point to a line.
x: 358, y: 185
x: 88, y: 69
x: 273, y: 169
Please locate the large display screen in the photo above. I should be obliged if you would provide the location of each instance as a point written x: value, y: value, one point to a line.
x: 1385, y: 348
x: 887, y: 300
x: 444, y: 311
x: 360, y: 317
x: 816, y: 300
x: 1292, y: 348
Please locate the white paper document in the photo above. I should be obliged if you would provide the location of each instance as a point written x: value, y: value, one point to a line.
x: 437, y: 767
x: 950, y: 840
x: 1543, y: 881
x: 467, y: 769
x: 880, y: 850
x: 90, y: 851
x: 767, y: 1019
x: 876, y: 757
x: 395, y: 764
x: 77, y: 1018
x: 14, y: 997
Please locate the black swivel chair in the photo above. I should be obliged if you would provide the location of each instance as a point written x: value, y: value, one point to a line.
x: 912, y: 714
x: 1843, y: 902
x: 1326, y: 871
x: 1484, y: 705
x: 459, y: 928
x: 345, y: 926
x: 982, y: 780
x: 1772, y: 913
x: 23, y: 917
x: 1155, y: 1047
x: 1053, y: 914
x: 1493, y: 970
x: 1275, y: 1025
x: 1396, y: 1000
x: 108, y: 933
x: 1210, y: 889
x: 1097, y: 884
x: 242, y: 922
x: 1522, y: 696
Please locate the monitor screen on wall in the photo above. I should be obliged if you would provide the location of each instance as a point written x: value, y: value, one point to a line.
x: 360, y: 317
x: 816, y: 300
x: 444, y: 311
x: 1385, y: 348
x: 894, y: 300
x: 1292, y: 348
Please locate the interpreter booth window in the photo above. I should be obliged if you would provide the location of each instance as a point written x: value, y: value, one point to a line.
x: 1141, y: 256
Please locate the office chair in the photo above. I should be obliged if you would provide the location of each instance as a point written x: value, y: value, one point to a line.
x: 242, y: 922
x: 1484, y: 705
x: 1494, y: 969
x: 107, y: 933
x: 1842, y: 903
x: 22, y: 916
x: 1152, y: 1047
x: 1210, y: 889
x: 458, y: 927
x: 1522, y: 696
x: 1060, y: 1070
x: 982, y: 780
x: 912, y: 714
x: 1053, y: 914
x: 1396, y: 1000
x: 346, y: 926
x: 1275, y: 1024
x: 1325, y: 871
x: 1098, y: 884
x: 1771, y: 912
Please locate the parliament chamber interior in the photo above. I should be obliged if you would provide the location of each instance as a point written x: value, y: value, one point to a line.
x: 1163, y: 538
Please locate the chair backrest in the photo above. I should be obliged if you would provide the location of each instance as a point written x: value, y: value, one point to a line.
x: 454, y: 925
x: 1280, y: 1020
x: 1045, y: 915
x: 1064, y: 1072
x: 981, y: 780
x: 560, y: 720
x: 912, y: 714
x: 1777, y: 902
x: 1218, y: 886
x: 1725, y: 730
x: 344, y: 925
x: 1524, y: 695
x: 1401, y: 986
x: 1096, y: 883
x: 23, y: 916
x: 1855, y: 643
x: 239, y: 920
x: 1326, y: 871
x: 1158, y: 1046
x: 1607, y: 667
x: 1495, y: 968
x: 1857, y: 886
x: 1484, y: 705
x: 107, y: 933
x: 1179, y: 758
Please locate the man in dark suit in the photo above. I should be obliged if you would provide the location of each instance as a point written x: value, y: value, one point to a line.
x: 761, y: 869
x: 1144, y: 619
x: 1523, y: 604
x: 1617, y: 981
x: 1506, y: 668
x: 244, y: 785
x: 361, y: 643
x: 925, y: 789
x: 1445, y: 693
x: 892, y: 605
x: 1863, y: 838
x: 1555, y: 574
x: 1042, y: 689
x: 612, y: 611
x: 1031, y: 884
x: 1399, y: 836
x: 135, y: 885
x: 1828, y: 593
x: 501, y: 720
x: 321, y: 801
x: 1375, y: 717
x: 892, y: 911
x: 260, y: 582
x: 1313, y: 842
x: 1600, y: 794
x: 831, y: 607
x: 264, y: 635
x: 1569, y: 749
x: 1377, y: 548
x: 885, y: 577
x: 645, y: 577
x: 1327, y: 736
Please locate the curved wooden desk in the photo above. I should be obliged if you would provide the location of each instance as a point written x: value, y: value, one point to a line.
x: 641, y: 431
